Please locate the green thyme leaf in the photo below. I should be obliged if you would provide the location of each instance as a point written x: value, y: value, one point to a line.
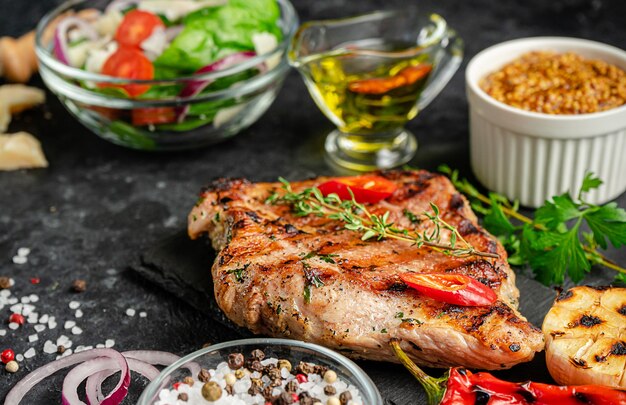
x: 411, y: 216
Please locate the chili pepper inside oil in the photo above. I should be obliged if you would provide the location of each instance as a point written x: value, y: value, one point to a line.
x: 363, y: 91
x: 370, y: 75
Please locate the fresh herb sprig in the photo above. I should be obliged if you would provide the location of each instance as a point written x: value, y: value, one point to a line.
x: 356, y: 217
x: 554, y: 242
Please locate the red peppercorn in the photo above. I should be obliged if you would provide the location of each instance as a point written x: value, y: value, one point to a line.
x: 176, y: 385
x: 35, y: 280
x: 7, y: 356
x: 17, y: 318
x: 295, y: 398
x: 301, y: 378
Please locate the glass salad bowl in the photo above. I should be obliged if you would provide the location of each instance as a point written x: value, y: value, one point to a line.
x: 370, y: 75
x: 292, y: 350
x: 216, y: 69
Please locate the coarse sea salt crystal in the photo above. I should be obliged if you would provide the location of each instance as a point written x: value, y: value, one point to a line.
x: 39, y: 328
x: 109, y: 343
x: 74, y: 304
x: 23, y: 251
x: 69, y: 324
x: 52, y: 324
x: 130, y: 312
x: 33, y: 338
x: 100, y: 346
x: 78, y: 313
x: 43, y: 318
x: 17, y: 308
x: 13, y: 325
x: 3, y: 332
x: 143, y: 314
x: 19, y: 259
x: 25, y: 300
x: 34, y: 298
x: 12, y: 300
x: 32, y: 318
x: 19, y: 357
x: 62, y: 340
x: 49, y: 347
x: 29, y: 353
x: 76, y: 330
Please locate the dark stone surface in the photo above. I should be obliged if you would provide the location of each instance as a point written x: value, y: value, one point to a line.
x: 98, y: 206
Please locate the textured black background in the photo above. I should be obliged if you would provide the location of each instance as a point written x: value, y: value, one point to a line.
x: 97, y: 206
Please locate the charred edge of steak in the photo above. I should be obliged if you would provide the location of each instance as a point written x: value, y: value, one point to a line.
x: 481, y: 270
x: 473, y: 321
x: 224, y: 184
x: 457, y: 202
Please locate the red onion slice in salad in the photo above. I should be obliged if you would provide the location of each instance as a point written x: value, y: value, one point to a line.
x: 60, y: 36
x: 195, y: 87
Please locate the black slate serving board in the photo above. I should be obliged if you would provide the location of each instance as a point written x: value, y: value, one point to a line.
x: 182, y: 267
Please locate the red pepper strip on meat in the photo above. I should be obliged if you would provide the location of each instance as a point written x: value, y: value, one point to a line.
x: 456, y: 289
x: 381, y: 85
x: 365, y: 188
x: 459, y: 386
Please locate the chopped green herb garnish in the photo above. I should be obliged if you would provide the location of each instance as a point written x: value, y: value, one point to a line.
x: 411, y: 216
x: 239, y: 272
x: 383, y: 330
x: 399, y: 315
x: 412, y: 321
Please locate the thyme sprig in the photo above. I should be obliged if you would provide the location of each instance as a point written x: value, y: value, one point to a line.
x: 356, y: 217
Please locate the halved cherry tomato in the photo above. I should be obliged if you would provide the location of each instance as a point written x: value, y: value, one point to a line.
x: 156, y: 115
x: 136, y: 27
x: 366, y: 188
x: 454, y: 289
x: 129, y: 63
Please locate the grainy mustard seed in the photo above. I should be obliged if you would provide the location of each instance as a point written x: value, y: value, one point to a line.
x: 558, y: 83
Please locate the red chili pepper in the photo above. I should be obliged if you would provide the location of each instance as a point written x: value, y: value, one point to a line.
x: 295, y: 397
x: 35, y: 280
x: 17, y: 318
x: 366, y: 188
x: 381, y: 85
x: 454, y: 289
x: 301, y: 378
x: 7, y: 356
x: 460, y: 386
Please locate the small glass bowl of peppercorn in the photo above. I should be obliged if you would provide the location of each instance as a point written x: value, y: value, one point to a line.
x: 262, y: 371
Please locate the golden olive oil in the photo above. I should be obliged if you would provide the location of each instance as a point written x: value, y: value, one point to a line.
x: 367, y: 92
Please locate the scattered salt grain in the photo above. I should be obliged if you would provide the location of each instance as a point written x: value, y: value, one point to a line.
x: 64, y: 341
x: 13, y: 326
x: 74, y: 304
x: 19, y: 259
x: 43, y: 318
x: 69, y: 324
x: 143, y: 314
x: 130, y: 312
x: 40, y: 328
x: 76, y: 330
x: 109, y: 343
x: 34, y: 298
x: 25, y: 300
x: 3, y: 332
x: 29, y: 353
x: 17, y: 308
x: 49, y: 347
x: 33, y: 338
x: 32, y: 318
x: 23, y: 251
x: 19, y: 357
x: 52, y: 324
x: 100, y: 346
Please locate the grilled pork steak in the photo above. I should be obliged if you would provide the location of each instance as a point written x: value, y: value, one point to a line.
x: 267, y: 257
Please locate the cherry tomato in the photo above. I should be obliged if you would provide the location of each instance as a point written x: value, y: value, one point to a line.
x: 129, y: 63
x: 156, y: 115
x: 366, y: 188
x: 7, y: 356
x: 136, y: 27
x: 454, y: 289
x: 301, y: 378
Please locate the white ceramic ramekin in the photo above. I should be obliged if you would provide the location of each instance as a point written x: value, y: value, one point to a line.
x: 532, y: 156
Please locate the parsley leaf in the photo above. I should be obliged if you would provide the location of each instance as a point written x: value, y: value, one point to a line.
x: 495, y: 221
x: 607, y: 222
x: 556, y: 212
x: 590, y: 182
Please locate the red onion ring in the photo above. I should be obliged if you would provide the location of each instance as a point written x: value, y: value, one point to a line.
x: 145, y: 357
x: 173, y: 31
x: 93, y: 387
x: 78, y: 374
x: 60, y: 36
x: 20, y: 389
x: 195, y: 87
